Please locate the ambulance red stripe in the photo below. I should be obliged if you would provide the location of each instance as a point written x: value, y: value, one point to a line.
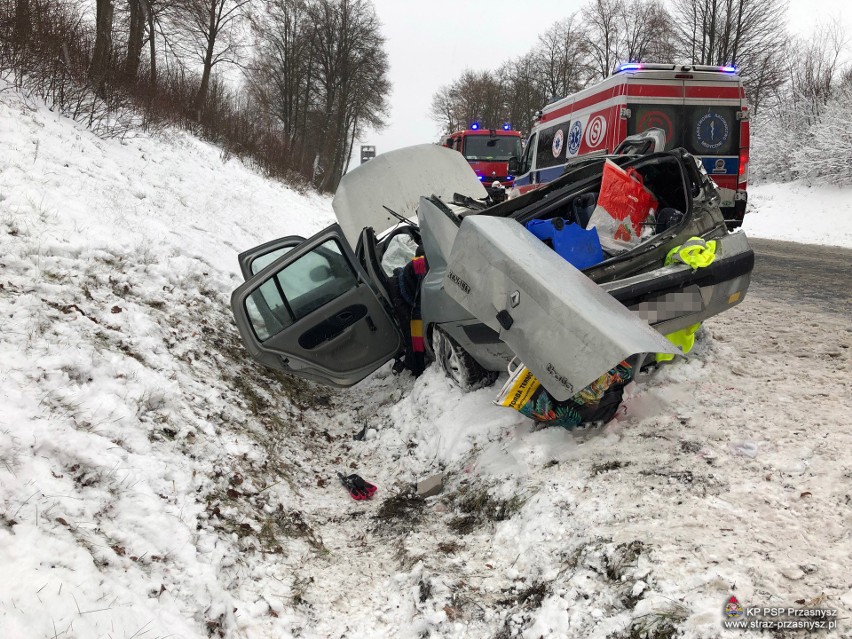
x: 714, y: 92
x: 638, y: 90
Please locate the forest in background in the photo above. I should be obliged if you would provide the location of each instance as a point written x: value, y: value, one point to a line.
x: 286, y: 84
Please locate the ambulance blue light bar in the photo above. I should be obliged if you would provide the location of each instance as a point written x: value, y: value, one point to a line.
x: 645, y: 66
x: 507, y: 126
x: 474, y: 126
x: 728, y: 69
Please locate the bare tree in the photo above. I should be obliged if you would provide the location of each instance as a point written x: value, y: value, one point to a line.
x: 647, y: 33
x: 560, y: 57
x: 747, y: 33
x: 22, y: 27
x: 816, y: 69
x: 351, y: 80
x: 209, y: 25
x: 602, y: 21
x: 281, y: 75
x: 444, y: 109
x: 476, y: 96
x: 524, y: 90
x: 135, y: 38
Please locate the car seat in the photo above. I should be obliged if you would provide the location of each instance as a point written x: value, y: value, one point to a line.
x: 582, y: 208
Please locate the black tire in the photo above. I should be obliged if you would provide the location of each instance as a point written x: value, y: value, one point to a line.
x: 464, y: 371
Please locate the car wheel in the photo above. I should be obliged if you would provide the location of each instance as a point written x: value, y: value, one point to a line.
x: 457, y: 363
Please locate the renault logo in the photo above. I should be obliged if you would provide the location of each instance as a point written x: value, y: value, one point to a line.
x: 515, y: 298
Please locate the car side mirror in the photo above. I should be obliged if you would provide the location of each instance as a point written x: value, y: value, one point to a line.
x: 514, y: 165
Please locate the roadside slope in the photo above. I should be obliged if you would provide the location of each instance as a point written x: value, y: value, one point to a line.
x: 127, y: 407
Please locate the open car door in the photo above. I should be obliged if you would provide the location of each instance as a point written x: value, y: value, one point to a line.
x: 313, y: 313
x: 565, y: 328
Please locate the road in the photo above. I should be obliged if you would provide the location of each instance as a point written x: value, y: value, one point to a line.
x: 803, y: 274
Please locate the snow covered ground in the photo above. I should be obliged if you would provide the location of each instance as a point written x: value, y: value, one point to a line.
x: 154, y: 483
x: 797, y: 212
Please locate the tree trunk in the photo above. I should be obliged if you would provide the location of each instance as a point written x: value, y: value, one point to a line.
x: 149, y: 14
x: 201, y: 96
x: 99, y: 68
x: 208, y: 61
x: 23, y: 24
x: 351, y: 146
x: 135, y: 39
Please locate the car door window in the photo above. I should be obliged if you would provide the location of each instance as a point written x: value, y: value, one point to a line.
x: 298, y: 289
x: 263, y: 261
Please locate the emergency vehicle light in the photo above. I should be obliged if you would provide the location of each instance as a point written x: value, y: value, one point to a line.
x: 729, y: 69
x: 507, y: 126
x: 630, y: 66
x: 474, y: 126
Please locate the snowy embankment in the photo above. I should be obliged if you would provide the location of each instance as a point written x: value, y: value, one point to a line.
x: 123, y: 390
x: 154, y: 482
x: 797, y: 212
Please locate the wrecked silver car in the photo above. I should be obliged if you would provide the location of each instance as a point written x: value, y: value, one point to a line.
x: 327, y: 308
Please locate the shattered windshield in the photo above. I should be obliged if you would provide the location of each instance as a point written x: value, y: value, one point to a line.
x: 479, y: 148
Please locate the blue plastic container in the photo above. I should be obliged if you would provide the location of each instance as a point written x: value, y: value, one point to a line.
x: 580, y: 247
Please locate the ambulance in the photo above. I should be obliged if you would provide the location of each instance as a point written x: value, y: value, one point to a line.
x: 487, y: 151
x: 701, y: 108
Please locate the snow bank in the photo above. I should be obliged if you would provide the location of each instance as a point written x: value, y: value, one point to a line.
x: 797, y: 212
x: 120, y: 408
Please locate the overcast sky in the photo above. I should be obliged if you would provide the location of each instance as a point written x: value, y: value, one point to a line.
x: 431, y: 43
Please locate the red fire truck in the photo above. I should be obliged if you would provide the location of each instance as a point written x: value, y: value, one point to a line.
x: 701, y: 108
x: 488, y: 151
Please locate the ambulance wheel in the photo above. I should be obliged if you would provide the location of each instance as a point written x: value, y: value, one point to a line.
x: 464, y: 371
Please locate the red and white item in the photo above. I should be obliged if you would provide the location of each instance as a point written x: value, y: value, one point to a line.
x: 623, y: 209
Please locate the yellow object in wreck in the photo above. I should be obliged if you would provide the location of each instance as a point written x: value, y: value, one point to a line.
x: 684, y: 339
x: 695, y: 252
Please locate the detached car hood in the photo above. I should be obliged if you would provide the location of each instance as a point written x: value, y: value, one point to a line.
x: 397, y: 180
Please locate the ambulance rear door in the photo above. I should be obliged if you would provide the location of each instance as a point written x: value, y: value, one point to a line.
x: 712, y: 115
x: 698, y: 110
